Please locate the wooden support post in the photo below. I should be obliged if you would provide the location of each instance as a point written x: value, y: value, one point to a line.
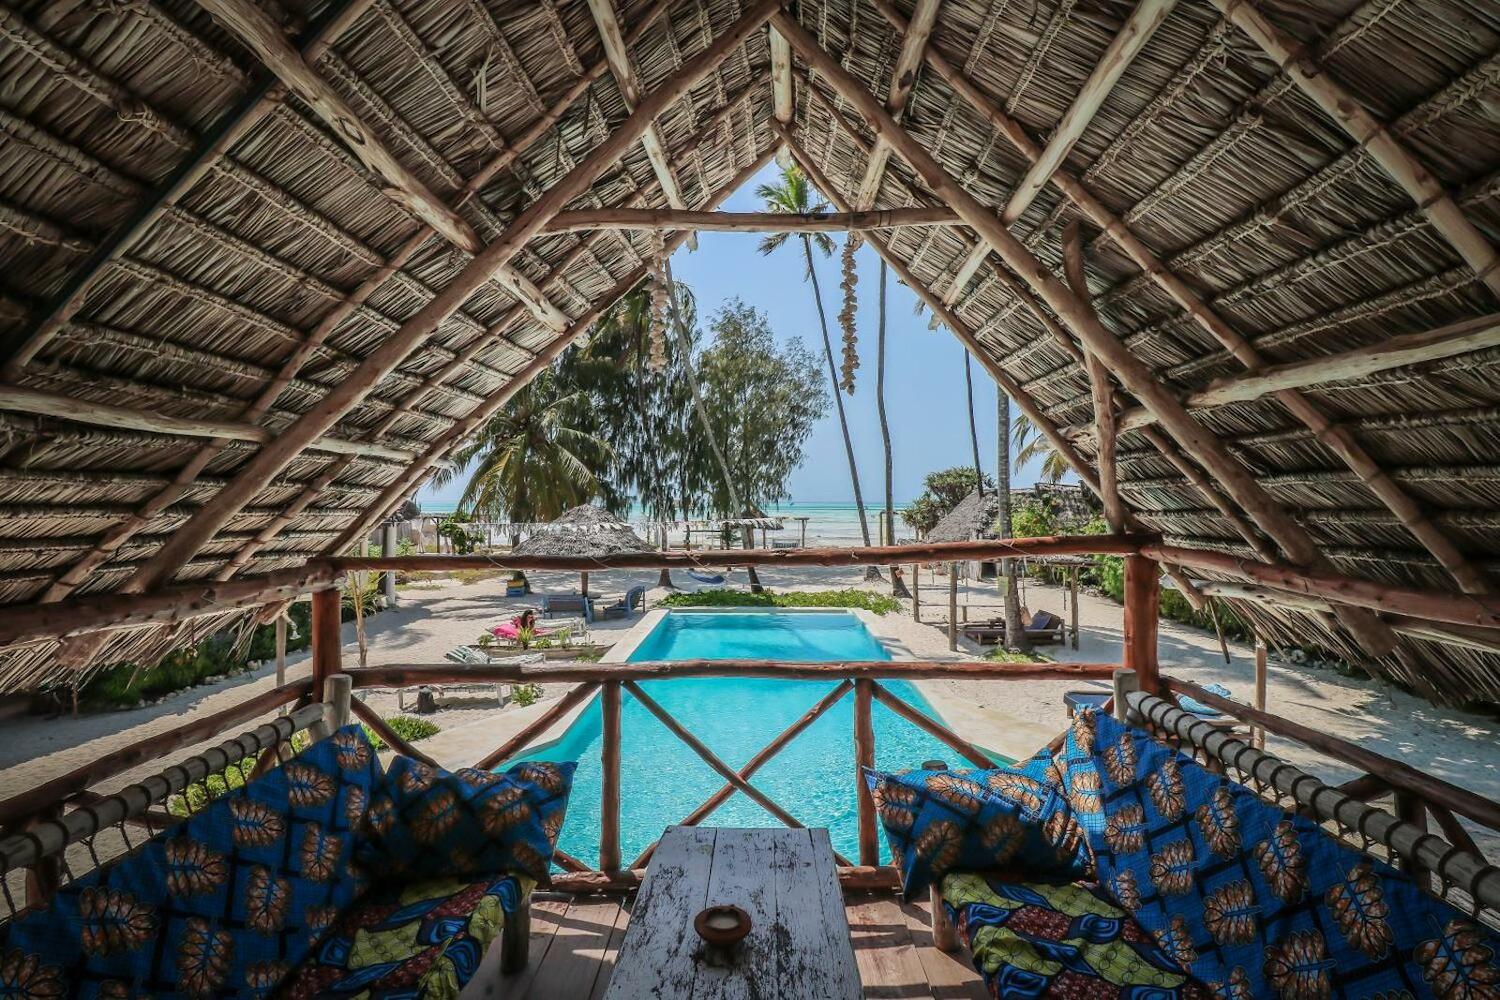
x: 281, y: 623
x: 916, y: 592
x: 1073, y: 593
x: 953, y: 606
x: 944, y: 933
x: 388, y: 548
x: 327, y: 606
x: 609, y: 811
x: 1125, y: 681
x: 864, y: 756
x: 1258, y: 733
x: 1142, y: 606
x: 338, y: 699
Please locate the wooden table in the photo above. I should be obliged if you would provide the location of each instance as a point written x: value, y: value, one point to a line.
x: 785, y: 879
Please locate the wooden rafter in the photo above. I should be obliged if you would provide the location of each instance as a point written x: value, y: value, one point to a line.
x: 263, y: 36
x: 1337, y: 439
x: 1201, y: 445
x: 783, y: 93
x: 748, y: 222
x: 1463, y: 337
x: 618, y: 55
x: 1123, y: 48
x: 1100, y: 387
x: 903, y: 78
x: 1371, y: 134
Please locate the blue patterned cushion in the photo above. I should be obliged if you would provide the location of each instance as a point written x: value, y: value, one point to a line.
x: 225, y: 904
x: 1258, y: 902
x: 425, y: 821
x: 943, y: 821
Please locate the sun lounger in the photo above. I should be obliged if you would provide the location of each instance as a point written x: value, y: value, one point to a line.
x: 554, y: 604
x: 1043, y: 628
x: 634, y: 600
x: 469, y: 656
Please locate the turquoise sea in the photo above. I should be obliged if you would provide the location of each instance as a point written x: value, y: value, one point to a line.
x: 829, y: 522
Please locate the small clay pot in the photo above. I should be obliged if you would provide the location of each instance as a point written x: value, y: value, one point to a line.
x: 722, y: 926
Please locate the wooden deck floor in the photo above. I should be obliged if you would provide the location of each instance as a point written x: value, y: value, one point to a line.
x: 574, y: 945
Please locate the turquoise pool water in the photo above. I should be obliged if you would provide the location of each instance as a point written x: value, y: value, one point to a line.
x: 662, y: 780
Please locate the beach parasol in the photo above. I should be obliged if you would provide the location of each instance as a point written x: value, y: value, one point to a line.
x: 584, y: 531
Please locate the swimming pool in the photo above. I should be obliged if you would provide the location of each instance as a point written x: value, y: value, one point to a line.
x: 662, y: 780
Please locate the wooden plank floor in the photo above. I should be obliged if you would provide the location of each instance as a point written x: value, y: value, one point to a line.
x: 574, y: 946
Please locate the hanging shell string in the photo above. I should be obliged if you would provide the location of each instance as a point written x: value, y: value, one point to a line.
x: 846, y: 315
x: 660, y: 291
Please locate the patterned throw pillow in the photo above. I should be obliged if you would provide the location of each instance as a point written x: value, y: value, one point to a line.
x: 426, y: 822
x: 224, y: 904
x: 943, y: 821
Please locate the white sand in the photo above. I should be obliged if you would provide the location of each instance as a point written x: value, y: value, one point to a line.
x: 1011, y: 717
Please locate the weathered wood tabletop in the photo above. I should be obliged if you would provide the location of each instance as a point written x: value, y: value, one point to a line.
x: 798, y: 945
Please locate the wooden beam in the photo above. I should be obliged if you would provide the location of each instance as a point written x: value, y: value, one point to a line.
x: 748, y: 222
x: 618, y: 55
x: 864, y: 757
x: 411, y: 675
x: 1200, y: 444
x: 404, y: 485
x: 1338, y: 439
x: 903, y: 78
x: 1133, y: 36
x: 1142, y: 617
x: 782, y: 90
x: 1475, y: 334
x: 395, y: 348
x: 1100, y: 388
x: 253, y: 27
x: 1345, y: 108
x: 19, y: 399
x: 932, y: 727
x: 609, y: 790
x: 537, y: 727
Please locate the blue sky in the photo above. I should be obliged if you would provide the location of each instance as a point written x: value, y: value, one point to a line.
x: 924, y: 382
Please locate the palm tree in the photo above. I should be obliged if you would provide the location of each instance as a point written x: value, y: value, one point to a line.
x: 535, y: 461
x: 1015, y: 629
x: 1032, y: 444
x: 795, y: 196
x: 898, y: 586
x: 973, y: 427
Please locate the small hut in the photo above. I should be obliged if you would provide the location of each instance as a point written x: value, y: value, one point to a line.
x: 585, y: 531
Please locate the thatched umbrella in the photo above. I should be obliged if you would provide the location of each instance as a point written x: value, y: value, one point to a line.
x: 582, y: 532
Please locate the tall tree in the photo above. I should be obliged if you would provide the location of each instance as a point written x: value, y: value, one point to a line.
x: 973, y: 426
x: 1015, y: 628
x: 1031, y: 444
x: 898, y: 586
x: 537, y: 457
x: 794, y: 195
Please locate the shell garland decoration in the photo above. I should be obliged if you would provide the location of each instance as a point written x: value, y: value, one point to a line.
x: 846, y: 315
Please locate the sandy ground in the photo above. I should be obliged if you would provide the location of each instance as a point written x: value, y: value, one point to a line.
x: 1011, y: 717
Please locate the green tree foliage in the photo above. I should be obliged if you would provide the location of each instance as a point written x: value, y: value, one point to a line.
x: 763, y: 397
x: 1032, y: 445
x: 941, y: 492
x: 536, y: 458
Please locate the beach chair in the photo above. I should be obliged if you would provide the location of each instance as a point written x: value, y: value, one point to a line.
x: 555, y: 604
x: 470, y: 656
x: 634, y: 599
x: 1045, y: 627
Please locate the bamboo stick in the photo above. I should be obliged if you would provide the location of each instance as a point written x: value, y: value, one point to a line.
x: 537, y: 727
x: 748, y: 222
x: 412, y: 675
x: 932, y: 727
x: 609, y: 806
x: 271, y: 459
x: 1197, y: 441
x: 864, y: 757
x: 709, y: 757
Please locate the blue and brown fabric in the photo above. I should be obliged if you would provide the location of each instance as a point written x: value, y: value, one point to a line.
x: 427, y: 822
x: 408, y: 940
x: 225, y: 904
x: 977, y: 820
x: 1260, y: 903
x: 1032, y: 939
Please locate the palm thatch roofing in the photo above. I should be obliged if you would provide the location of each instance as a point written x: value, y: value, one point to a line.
x: 584, y: 531
x: 974, y: 517
x: 200, y: 273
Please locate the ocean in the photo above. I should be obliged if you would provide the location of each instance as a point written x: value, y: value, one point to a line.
x: 828, y: 522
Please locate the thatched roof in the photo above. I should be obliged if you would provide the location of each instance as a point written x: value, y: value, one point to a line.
x: 974, y: 517
x: 583, y: 531
x: 204, y: 259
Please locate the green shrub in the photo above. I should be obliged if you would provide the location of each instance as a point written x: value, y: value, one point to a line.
x: 526, y: 694
x: 408, y: 727
x: 124, y: 684
x: 1003, y: 655
x: 1031, y: 520
x: 865, y: 600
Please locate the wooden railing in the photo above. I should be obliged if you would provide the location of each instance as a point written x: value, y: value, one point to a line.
x: 612, y: 682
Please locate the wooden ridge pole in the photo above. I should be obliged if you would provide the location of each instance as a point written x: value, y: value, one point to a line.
x: 748, y: 222
x: 1196, y: 440
x: 1023, y: 399
x: 276, y: 455
x: 1338, y: 439
x: 404, y: 485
